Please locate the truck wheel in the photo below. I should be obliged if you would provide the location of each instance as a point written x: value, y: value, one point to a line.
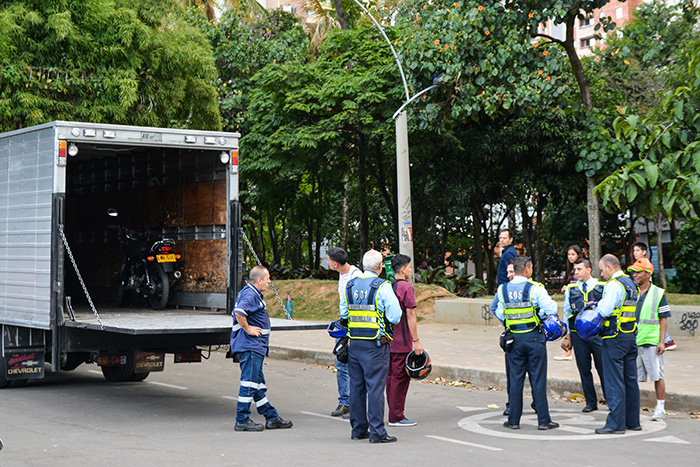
x: 120, y: 373
x: 139, y: 376
x: 161, y: 289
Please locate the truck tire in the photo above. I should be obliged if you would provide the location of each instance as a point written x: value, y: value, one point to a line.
x: 139, y: 376
x: 120, y: 373
x: 161, y: 288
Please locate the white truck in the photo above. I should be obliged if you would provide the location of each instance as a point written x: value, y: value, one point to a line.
x: 60, y: 256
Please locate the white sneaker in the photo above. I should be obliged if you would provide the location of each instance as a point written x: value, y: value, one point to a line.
x: 658, y: 415
x: 404, y: 422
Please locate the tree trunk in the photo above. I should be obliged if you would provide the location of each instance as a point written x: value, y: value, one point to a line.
x: 364, y: 217
x: 527, y: 228
x: 539, y: 254
x: 594, y: 250
x: 584, y: 85
x: 478, y: 260
x: 340, y: 14
x: 271, y: 231
x: 659, y: 224
x: 344, y: 212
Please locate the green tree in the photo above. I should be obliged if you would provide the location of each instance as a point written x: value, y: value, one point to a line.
x: 115, y: 62
x: 487, y: 50
x: 318, y: 120
x: 687, y: 245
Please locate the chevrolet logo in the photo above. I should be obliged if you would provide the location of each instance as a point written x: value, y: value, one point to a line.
x: 153, y: 358
x: 29, y: 363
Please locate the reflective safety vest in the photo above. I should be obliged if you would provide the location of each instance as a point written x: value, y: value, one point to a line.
x: 649, y: 324
x: 623, y: 317
x: 519, y: 312
x: 578, y: 299
x: 365, y: 320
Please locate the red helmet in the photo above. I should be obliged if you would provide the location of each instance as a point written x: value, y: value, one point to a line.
x: 418, y: 366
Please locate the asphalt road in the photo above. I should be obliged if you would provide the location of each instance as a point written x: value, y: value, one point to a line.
x: 184, y: 416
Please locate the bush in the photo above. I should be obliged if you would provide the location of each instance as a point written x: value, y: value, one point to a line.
x: 687, y: 258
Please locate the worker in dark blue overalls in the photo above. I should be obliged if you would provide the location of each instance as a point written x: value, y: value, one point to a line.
x: 518, y: 303
x: 371, y: 307
x: 618, y: 307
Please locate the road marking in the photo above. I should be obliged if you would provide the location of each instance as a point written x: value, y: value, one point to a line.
x: 668, y: 439
x: 571, y: 420
x: 167, y: 385
x: 469, y: 409
x: 95, y: 371
x: 230, y: 397
x: 456, y: 441
x: 325, y: 416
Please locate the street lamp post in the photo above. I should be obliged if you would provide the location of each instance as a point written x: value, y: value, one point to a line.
x: 403, y: 168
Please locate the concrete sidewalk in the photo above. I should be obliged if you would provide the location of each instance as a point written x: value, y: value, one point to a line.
x: 471, y: 353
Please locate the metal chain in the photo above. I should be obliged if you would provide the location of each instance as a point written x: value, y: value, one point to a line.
x: 250, y: 247
x: 80, y: 278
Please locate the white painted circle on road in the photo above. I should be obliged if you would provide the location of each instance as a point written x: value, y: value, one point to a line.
x: 574, y: 426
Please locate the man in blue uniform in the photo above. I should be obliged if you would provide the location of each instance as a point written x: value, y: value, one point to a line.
x: 508, y: 252
x: 518, y: 302
x: 250, y: 338
x: 586, y: 289
x: 618, y: 307
x: 371, y: 308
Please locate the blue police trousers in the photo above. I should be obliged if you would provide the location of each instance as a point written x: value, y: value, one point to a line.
x: 253, y: 388
x: 368, y: 365
x: 621, y: 387
x: 585, y: 352
x: 528, y: 355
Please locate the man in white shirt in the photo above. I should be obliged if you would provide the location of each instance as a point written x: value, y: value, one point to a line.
x: 338, y: 261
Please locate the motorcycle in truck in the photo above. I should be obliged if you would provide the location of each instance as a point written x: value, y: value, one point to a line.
x: 148, y: 269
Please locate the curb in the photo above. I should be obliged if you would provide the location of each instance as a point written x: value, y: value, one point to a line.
x: 562, y: 387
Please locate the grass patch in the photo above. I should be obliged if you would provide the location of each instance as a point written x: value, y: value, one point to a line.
x: 318, y: 300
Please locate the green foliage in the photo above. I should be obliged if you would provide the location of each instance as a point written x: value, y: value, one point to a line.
x: 665, y: 177
x: 242, y: 48
x: 129, y: 62
x: 490, y: 64
x: 460, y: 283
x: 685, y: 258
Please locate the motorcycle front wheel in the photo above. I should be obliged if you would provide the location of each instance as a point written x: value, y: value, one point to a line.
x: 160, y: 291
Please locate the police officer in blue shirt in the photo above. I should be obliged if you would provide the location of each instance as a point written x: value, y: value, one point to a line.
x: 618, y: 307
x: 518, y: 305
x: 371, y: 307
x: 586, y: 289
x: 250, y: 338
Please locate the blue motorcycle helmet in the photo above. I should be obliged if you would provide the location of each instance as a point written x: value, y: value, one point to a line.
x: 589, y: 323
x: 336, y: 330
x: 553, y: 328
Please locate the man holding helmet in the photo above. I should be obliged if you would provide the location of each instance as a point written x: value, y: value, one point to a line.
x: 618, y: 307
x: 585, y: 290
x: 518, y: 301
x: 405, y: 340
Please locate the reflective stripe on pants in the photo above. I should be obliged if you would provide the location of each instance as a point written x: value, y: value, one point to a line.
x: 252, y: 388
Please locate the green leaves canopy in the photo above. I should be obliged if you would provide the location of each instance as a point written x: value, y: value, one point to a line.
x: 121, y: 61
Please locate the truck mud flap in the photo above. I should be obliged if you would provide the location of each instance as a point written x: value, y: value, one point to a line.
x: 24, y: 364
x: 147, y: 362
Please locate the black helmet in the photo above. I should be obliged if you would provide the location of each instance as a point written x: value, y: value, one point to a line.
x: 418, y: 366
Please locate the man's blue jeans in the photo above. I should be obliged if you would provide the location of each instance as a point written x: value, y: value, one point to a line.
x: 343, y: 381
x: 253, y: 388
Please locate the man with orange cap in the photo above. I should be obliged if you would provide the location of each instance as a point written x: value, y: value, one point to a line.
x: 652, y: 315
